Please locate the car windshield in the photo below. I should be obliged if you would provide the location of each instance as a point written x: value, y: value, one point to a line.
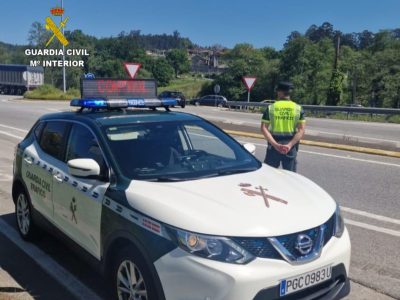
x: 177, y: 151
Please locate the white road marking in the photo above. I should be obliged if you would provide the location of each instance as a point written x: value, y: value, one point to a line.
x: 351, y: 136
x: 313, y: 132
x: 59, y: 273
x: 14, y: 128
x: 12, y: 135
x: 5, y: 177
x: 392, y: 232
x: 370, y: 215
x: 53, y: 109
x: 335, y: 156
x: 352, y: 158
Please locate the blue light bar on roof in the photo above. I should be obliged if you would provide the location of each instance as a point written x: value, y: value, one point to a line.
x: 122, y: 103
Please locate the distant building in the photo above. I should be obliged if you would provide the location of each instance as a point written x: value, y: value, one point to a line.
x: 203, y: 60
x: 206, y: 60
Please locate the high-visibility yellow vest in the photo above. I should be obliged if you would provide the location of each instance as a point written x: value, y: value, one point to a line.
x: 283, y: 116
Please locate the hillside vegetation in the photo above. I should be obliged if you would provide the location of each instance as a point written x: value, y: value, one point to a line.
x: 367, y: 68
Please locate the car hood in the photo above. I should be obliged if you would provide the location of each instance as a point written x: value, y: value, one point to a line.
x: 233, y: 205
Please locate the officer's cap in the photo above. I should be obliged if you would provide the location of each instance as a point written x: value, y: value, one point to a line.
x: 285, y: 86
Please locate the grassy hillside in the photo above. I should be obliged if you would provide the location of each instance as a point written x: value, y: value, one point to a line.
x: 190, y: 86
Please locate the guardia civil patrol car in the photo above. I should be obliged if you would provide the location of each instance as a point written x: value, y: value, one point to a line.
x: 168, y: 206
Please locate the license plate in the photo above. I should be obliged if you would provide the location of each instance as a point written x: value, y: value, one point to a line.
x: 303, y: 281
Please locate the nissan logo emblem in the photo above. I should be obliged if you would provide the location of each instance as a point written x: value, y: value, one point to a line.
x: 304, y: 244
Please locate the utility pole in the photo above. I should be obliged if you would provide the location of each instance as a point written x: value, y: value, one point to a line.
x: 335, y: 86
x: 337, y: 51
x: 63, y: 47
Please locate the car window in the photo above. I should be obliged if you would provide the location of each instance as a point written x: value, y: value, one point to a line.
x: 53, y: 138
x: 82, y: 144
x: 181, y: 150
x: 204, y: 140
x: 38, y: 130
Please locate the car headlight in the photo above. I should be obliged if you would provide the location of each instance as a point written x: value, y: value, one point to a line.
x: 211, y: 247
x: 339, y: 223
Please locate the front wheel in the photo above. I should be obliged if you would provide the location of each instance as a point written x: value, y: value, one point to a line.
x: 132, y: 279
x: 197, y: 103
x: 23, y: 213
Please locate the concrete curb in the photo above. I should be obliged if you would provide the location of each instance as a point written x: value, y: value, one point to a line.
x: 325, y: 145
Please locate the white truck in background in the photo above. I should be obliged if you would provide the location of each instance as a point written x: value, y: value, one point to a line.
x: 17, y: 79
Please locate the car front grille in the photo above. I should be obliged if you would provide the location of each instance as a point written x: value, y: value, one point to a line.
x: 262, y: 247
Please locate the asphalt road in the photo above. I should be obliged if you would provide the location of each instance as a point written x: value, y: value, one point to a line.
x: 366, y: 186
x: 377, y: 135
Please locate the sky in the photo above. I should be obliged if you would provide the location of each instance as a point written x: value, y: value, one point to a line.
x: 206, y: 22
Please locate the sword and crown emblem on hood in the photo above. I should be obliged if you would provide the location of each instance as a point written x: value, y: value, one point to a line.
x: 248, y: 190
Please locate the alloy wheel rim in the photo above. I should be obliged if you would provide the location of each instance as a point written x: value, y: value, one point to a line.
x: 130, y: 282
x: 23, y: 214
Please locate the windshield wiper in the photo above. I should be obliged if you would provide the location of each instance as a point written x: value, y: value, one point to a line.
x: 165, y: 179
x: 235, y: 171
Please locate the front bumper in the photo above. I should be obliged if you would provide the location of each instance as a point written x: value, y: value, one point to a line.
x: 187, y: 277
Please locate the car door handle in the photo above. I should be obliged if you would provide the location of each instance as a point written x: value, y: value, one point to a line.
x: 58, y: 177
x: 28, y: 160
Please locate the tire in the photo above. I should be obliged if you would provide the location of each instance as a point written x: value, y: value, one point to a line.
x: 183, y: 104
x: 23, y: 214
x: 197, y: 103
x: 5, y: 91
x: 220, y: 105
x: 129, y: 260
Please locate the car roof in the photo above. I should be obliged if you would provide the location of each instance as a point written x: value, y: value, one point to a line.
x: 171, y: 92
x: 129, y: 116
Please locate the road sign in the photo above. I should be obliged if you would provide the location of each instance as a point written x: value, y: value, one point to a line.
x: 249, y: 82
x: 217, y: 89
x: 132, y: 68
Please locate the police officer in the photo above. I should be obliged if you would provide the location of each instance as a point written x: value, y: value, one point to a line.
x: 283, y: 126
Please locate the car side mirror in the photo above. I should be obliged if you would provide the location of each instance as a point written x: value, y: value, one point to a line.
x: 250, y: 147
x: 83, y: 167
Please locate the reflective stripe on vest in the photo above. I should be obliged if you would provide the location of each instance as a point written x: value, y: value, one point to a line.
x: 284, y: 116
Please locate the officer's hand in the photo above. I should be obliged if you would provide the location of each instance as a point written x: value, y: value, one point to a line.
x: 281, y: 148
x: 285, y: 149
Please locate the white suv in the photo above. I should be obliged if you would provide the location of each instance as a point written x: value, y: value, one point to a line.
x: 168, y: 206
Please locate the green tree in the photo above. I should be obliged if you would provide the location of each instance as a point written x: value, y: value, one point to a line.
x: 309, y: 66
x: 179, y: 60
x: 162, y: 71
x: 38, y: 35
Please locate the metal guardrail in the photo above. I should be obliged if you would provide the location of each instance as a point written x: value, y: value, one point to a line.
x: 322, y: 108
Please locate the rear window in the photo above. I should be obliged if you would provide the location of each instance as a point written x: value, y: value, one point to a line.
x: 52, y: 140
x: 38, y: 130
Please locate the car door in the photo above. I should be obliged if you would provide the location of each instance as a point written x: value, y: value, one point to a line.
x: 41, y: 159
x: 78, y: 201
x: 208, y: 100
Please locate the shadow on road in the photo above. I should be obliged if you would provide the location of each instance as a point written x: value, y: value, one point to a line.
x: 33, y: 279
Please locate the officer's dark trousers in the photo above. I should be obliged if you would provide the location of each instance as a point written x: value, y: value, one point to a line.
x: 275, y: 158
